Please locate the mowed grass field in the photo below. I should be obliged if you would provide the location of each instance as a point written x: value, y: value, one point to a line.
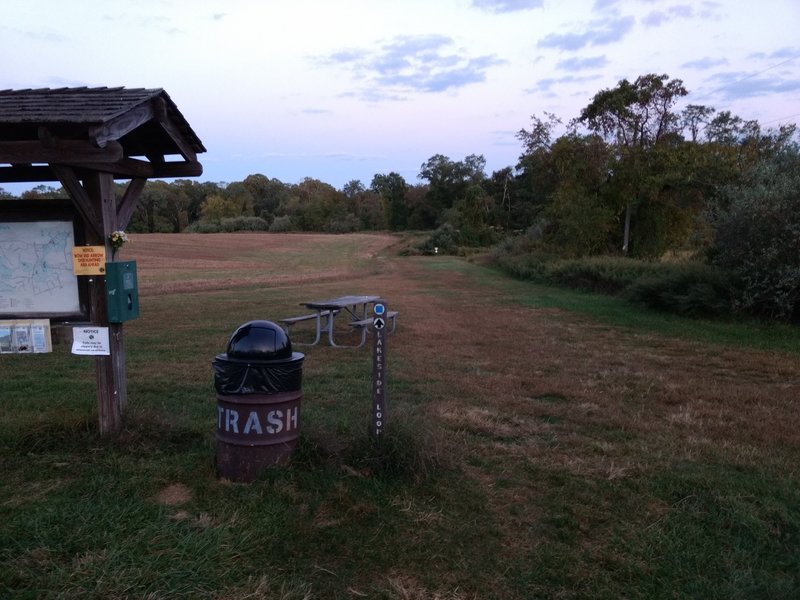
x: 540, y: 444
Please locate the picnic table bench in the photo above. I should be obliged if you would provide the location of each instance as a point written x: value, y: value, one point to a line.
x: 325, y: 311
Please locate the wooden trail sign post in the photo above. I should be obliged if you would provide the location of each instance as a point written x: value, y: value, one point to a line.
x: 85, y: 138
x: 379, y: 348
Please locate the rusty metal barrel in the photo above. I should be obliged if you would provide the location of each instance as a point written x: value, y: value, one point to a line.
x: 259, y: 390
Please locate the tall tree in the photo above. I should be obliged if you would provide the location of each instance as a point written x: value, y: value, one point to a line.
x: 449, y: 180
x: 353, y: 188
x: 196, y: 192
x: 538, y: 177
x: 267, y: 194
x: 44, y: 192
x: 635, y: 117
x: 694, y: 119
x: 392, y: 188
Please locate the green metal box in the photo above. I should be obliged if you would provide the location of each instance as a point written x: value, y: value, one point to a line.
x: 122, y: 291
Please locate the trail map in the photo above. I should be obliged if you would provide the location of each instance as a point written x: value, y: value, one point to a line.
x: 36, y: 272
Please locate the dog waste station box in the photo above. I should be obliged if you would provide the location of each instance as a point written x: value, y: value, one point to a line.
x: 122, y: 291
x: 258, y: 384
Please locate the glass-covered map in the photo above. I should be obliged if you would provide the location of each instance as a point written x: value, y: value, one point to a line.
x: 36, y: 273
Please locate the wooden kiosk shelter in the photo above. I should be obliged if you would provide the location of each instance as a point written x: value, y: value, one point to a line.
x: 85, y: 138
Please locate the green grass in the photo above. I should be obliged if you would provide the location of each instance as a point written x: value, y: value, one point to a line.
x: 619, y: 313
x: 589, y: 505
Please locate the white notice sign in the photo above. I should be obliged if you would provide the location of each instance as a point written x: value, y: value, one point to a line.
x: 90, y: 340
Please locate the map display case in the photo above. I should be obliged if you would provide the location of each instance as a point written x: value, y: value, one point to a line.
x: 36, y: 267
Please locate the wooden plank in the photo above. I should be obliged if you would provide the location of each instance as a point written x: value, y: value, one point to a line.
x: 26, y: 174
x: 81, y: 199
x: 130, y: 199
x: 112, y: 387
x: 131, y: 168
x: 128, y: 168
x: 58, y: 151
x: 185, y: 148
x: 125, y: 123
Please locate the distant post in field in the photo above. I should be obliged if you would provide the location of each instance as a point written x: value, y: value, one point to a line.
x: 379, y: 370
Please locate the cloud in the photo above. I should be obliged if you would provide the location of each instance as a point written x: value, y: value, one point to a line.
x: 602, y: 5
x: 581, y: 64
x: 408, y: 64
x: 35, y: 35
x: 507, y: 6
x: 787, y: 52
x: 737, y: 85
x: 57, y: 81
x: 672, y: 13
x: 546, y: 85
x: 711, y: 10
x: 597, y: 33
x: 705, y: 63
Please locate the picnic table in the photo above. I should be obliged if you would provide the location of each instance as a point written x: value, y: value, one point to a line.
x: 355, y: 308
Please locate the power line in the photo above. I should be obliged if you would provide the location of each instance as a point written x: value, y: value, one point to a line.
x: 781, y: 119
x: 732, y: 83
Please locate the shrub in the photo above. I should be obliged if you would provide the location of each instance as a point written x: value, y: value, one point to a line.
x: 228, y: 225
x: 443, y: 240
x: 605, y: 274
x: 281, y: 224
x: 344, y: 224
x: 232, y: 224
x: 687, y: 288
x: 203, y: 226
x: 758, y: 237
x: 692, y: 290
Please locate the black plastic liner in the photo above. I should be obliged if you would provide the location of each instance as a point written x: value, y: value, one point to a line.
x: 257, y: 377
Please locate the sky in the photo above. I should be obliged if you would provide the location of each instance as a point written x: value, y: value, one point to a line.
x: 342, y: 90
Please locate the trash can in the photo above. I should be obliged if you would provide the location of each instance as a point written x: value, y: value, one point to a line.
x: 258, y: 383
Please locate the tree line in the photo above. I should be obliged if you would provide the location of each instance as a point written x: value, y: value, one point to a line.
x: 630, y: 175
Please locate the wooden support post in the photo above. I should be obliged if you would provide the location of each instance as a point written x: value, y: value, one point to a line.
x: 112, y: 386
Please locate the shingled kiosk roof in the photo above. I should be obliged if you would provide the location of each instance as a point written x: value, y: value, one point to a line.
x: 126, y: 132
x: 85, y: 138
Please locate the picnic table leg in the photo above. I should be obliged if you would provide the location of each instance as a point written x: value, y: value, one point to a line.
x: 354, y: 311
x: 329, y: 327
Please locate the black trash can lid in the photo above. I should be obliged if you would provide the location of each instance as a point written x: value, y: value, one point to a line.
x: 259, y: 340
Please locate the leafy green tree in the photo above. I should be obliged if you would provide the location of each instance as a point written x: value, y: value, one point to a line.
x: 239, y: 193
x: 694, y: 119
x: 471, y: 215
x: 149, y: 216
x: 538, y: 179
x: 266, y: 194
x: 367, y: 205
x: 353, y: 188
x: 635, y: 117
x: 44, y: 192
x: 217, y: 207
x: 449, y: 180
x: 196, y: 193
x: 730, y: 130
x: 312, y: 204
x: 582, y: 215
x: 392, y: 188
x: 420, y: 213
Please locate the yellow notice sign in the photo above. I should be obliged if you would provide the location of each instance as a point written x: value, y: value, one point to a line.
x: 89, y: 260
